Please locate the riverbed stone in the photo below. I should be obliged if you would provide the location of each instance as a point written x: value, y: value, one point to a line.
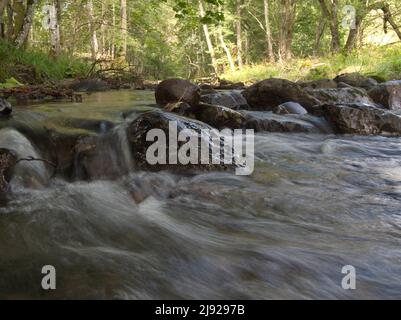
x: 355, y: 79
x: 230, y: 99
x: 177, y: 90
x: 270, y: 93
x: 261, y: 121
x: 387, y: 94
x: 290, y: 108
x: 5, y: 108
x: 137, y: 133
x: 361, y: 119
x: 8, y: 160
x: 341, y: 95
x: 90, y: 85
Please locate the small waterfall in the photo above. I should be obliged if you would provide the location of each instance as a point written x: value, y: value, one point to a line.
x: 104, y: 156
x: 29, y: 174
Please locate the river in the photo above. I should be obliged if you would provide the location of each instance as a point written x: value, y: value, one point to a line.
x: 314, y: 204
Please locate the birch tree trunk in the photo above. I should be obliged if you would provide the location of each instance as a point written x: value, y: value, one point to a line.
x: 269, y: 39
x: 92, y: 30
x: 239, y: 34
x: 124, y: 24
x: 22, y: 36
x: 226, y: 50
x: 55, y: 28
x: 208, y: 39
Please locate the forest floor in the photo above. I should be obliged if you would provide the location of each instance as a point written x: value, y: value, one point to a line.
x: 382, y: 62
x: 31, y: 67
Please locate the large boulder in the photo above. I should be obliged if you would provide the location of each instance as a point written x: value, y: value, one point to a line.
x: 341, y: 95
x: 177, y: 90
x: 355, y: 79
x: 387, y: 94
x: 360, y: 119
x: 137, y: 137
x: 5, y: 108
x: 8, y: 160
x: 232, y: 99
x: 268, y: 94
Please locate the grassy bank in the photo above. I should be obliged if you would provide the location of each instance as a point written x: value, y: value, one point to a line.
x: 383, y: 62
x: 34, y: 66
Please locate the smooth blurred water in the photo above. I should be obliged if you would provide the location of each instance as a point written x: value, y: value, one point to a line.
x: 314, y: 204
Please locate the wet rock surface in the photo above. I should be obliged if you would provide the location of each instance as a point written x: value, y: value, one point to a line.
x: 341, y: 95
x: 269, y: 122
x: 137, y: 137
x: 387, y: 94
x: 361, y: 119
x: 231, y: 99
x: 290, y: 108
x: 5, y: 108
x: 8, y: 160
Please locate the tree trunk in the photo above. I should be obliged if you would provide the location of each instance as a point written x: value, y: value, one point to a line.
x: 332, y: 15
x: 269, y: 39
x: 123, y: 50
x: 226, y: 50
x: 113, y: 37
x: 287, y: 20
x: 103, y: 30
x: 92, y: 30
x: 18, y: 12
x: 208, y: 39
x: 22, y: 36
x: 238, y: 25
x: 361, y: 14
x: 55, y: 29
x: 3, y: 5
x: 319, y: 34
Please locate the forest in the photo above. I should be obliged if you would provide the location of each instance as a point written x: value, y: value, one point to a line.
x: 238, y: 40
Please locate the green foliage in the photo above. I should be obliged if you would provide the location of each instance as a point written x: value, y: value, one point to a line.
x: 17, y: 63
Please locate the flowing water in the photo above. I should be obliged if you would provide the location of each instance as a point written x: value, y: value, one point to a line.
x: 314, y: 204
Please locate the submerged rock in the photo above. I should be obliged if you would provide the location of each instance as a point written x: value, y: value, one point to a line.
x: 177, y: 90
x: 232, y: 99
x: 8, y: 160
x: 355, y: 79
x: 387, y: 94
x: 341, y: 96
x: 361, y: 119
x: 268, y: 94
x: 5, y: 108
x: 290, y: 108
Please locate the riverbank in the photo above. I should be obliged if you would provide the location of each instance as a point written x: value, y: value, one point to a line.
x: 380, y: 62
